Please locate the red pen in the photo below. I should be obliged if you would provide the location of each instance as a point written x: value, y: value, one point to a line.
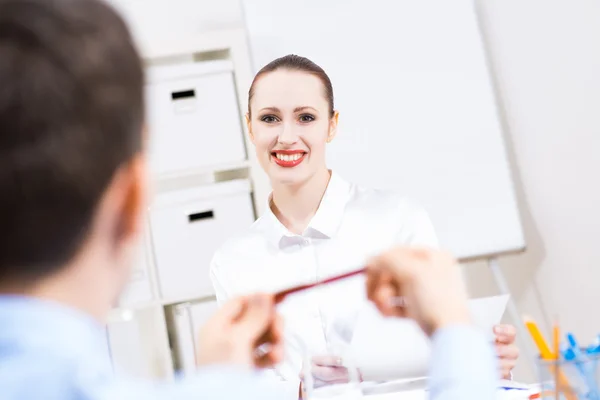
x: 281, y: 295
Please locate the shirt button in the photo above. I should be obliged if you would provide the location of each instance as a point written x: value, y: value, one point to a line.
x: 306, y: 241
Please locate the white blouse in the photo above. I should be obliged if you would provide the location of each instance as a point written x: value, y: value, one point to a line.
x: 351, y: 225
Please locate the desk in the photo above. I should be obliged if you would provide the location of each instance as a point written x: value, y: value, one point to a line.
x: 422, y: 395
x: 415, y: 389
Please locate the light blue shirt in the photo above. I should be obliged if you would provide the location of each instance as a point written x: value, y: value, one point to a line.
x: 52, y: 352
x: 463, y: 365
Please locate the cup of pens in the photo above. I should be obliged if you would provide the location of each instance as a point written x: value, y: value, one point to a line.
x: 573, y: 375
x: 566, y: 370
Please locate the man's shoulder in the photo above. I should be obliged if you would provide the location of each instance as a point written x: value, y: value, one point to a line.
x: 27, y: 375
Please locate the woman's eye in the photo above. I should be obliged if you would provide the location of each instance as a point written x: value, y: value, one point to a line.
x: 306, y: 118
x: 268, y: 119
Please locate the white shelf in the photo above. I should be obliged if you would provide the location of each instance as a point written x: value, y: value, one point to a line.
x: 182, y: 300
x: 230, y: 47
x: 204, y: 42
x: 126, y: 313
x: 234, y: 43
x: 187, y: 69
x: 204, y: 172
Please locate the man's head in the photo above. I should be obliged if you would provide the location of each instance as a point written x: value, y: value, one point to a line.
x: 71, y: 149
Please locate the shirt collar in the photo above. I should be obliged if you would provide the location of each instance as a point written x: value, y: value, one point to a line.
x: 326, y: 221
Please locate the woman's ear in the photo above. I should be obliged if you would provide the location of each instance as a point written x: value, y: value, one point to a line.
x: 249, y: 126
x: 333, y: 124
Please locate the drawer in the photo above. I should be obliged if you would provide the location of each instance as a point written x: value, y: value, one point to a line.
x: 193, y: 117
x: 188, y: 226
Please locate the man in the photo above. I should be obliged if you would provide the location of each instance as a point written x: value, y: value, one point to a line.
x: 72, y: 168
x: 73, y: 194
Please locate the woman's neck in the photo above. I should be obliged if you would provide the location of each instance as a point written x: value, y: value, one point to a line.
x: 295, y: 206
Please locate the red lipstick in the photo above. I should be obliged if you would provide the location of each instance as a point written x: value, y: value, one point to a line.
x: 290, y: 159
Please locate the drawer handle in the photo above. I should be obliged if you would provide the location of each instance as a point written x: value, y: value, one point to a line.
x: 201, y: 215
x: 183, y: 94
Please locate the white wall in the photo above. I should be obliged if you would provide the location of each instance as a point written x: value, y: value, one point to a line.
x: 546, y: 59
x: 164, y: 19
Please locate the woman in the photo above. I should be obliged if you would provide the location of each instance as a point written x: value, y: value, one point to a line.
x: 317, y: 224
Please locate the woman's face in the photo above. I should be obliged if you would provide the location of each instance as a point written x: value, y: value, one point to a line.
x: 290, y: 125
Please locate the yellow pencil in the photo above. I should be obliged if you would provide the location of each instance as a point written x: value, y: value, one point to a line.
x: 556, y: 339
x: 547, y: 355
x: 538, y: 338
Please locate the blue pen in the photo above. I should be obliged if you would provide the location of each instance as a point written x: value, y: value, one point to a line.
x: 594, y: 348
x: 574, y: 353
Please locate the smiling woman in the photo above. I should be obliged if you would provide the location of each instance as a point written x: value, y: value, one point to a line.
x: 291, y: 118
x: 317, y: 224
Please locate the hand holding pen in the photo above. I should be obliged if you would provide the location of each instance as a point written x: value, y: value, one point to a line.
x: 417, y: 283
x: 233, y: 334
x: 429, y: 282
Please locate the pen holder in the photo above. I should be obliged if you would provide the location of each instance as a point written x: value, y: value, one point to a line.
x: 570, y: 380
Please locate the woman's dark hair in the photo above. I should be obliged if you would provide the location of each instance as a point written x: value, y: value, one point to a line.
x: 296, y: 63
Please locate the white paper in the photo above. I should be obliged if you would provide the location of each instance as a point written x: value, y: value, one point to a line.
x: 488, y: 311
x: 391, y: 348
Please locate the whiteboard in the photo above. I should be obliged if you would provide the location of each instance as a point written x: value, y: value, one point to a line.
x: 416, y: 102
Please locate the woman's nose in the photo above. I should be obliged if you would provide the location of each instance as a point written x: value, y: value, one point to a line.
x: 287, y: 135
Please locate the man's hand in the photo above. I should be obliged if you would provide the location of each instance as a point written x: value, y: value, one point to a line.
x: 429, y: 281
x: 507, y: 350
x: 233, y: 334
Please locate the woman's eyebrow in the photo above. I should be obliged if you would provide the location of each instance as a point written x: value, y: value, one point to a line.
x: 304, y: 108
x: 272, y: 109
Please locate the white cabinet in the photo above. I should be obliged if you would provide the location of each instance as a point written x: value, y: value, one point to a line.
x: 193, y: 117
x: 195, y: 130
x: 188, y: 226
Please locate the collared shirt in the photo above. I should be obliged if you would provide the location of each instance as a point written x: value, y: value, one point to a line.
x: 351, y: 225
x: 52, y: 352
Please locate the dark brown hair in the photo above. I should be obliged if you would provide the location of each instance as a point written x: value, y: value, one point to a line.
x: 71, y: 114
x: 296, y: 63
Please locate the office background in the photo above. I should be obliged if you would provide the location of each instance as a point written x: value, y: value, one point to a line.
x: 545, y: 57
